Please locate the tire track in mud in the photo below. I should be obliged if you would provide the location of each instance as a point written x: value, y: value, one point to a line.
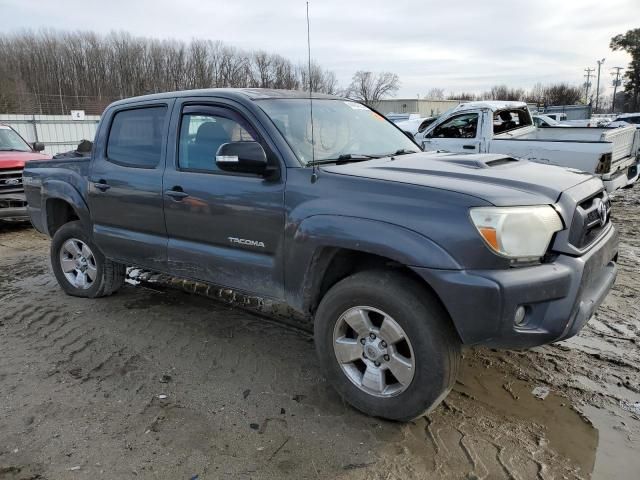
x: 101, y: 361
x: 109, y: 366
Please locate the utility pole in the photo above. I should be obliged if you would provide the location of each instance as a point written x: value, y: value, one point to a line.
x: 600, y: 62
x: 616, y: 84
x: 587, y: 84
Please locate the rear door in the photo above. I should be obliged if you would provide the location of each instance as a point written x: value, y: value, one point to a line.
x: 125, y: 184
x: 224, y: 228
x: 460, y: 133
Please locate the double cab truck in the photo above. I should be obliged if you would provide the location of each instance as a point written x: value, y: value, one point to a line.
x: 508, y: 128
x: 395, y: 257
x: 14, y: 152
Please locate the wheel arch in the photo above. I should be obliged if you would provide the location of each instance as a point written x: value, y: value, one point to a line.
x: 63, y: 203
x: 334, y: 247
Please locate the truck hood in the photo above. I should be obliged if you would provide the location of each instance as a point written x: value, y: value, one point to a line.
x: 17, y: 159
x: 498, y: 179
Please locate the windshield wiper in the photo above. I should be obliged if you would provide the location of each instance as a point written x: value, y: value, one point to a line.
x: 344, y: 158
x: 359, y: 157
x: 404, y: 151
x: 12, y: 150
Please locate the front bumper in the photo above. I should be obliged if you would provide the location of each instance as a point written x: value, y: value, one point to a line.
x: 559, y: 297
x: 632, y: 175
x: 13, y: 206
x: 623, y: 178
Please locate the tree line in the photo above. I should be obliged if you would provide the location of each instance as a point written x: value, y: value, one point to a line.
x: 552, y: 94
x: 54, y: 72
x: 51, y: 71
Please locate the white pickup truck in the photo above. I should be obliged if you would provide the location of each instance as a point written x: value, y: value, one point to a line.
x: 507, y: 128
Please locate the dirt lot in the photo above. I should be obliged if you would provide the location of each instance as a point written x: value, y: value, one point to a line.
x: 159, y: 383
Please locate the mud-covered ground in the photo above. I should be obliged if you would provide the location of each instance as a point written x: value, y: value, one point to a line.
x: 159, y: 383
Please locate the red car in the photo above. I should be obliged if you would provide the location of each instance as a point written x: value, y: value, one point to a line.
x: 14, y: 152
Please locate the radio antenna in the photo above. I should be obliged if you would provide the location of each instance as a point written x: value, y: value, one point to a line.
x: 314, y: 175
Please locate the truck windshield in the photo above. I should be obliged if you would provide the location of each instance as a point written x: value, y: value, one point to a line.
x: 342, y: 130
x: 11, y: 141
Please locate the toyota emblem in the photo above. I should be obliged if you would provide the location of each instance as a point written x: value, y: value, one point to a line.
x: 602, y: 213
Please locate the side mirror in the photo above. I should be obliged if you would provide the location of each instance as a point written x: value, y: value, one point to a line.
x: 242, y: 157
x: 409, y: 134
x: 37, y: 146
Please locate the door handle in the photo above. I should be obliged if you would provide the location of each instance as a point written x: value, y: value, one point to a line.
x: 469, y: 147
x: 176, y: 193
x: 102, y: 185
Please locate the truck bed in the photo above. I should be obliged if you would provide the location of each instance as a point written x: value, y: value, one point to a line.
x: 621, y: 138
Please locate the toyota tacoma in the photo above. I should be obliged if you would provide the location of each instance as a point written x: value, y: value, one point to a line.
x: 396, y: 257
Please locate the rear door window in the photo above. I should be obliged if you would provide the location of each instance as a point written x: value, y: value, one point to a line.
x: 506, y: 120
x: 136, y: 136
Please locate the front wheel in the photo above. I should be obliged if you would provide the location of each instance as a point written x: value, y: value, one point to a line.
x: 79, y: 267
x: 386, y: 344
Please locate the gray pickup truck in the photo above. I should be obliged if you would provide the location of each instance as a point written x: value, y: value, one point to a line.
x: 394, y: 256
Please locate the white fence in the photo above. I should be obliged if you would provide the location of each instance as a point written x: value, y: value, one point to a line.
x: 59, y: 133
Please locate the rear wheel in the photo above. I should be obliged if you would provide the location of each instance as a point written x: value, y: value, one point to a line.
x: 386, y: 344
x: 79, y: 267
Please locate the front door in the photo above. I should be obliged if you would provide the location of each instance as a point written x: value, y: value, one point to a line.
x: 224, y: 228
x: 125, y: 185
x: 460, y: 133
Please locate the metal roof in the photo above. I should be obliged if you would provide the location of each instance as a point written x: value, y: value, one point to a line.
x: 492, y: 105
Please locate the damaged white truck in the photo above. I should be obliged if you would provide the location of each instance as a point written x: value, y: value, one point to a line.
x: 507, y: 128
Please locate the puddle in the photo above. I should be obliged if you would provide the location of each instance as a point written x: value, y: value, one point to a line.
x: 617, y: 454
x: 565, y: 429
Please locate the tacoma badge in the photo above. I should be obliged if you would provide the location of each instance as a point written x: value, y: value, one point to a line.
x: 242, y: 241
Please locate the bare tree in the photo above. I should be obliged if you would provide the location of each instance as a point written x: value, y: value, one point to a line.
x: 503, y: 92
x: 370, y: 88
x: 462, y: 96
x: 435, y: 94
x: 536, y: 94
x: 322, y: 81
x: 53, y: 72
x: 562, y: 94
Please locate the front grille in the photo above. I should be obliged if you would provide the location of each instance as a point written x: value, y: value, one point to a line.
x: 12, y: 204
x: 11, y: 181
x: 590, y: 220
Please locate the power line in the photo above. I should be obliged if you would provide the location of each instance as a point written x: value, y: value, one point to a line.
x: 600, y: 62
x: 587, y: 84
x: 616, y: 84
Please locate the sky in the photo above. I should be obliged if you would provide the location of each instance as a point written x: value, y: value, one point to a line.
x: 461, y: 45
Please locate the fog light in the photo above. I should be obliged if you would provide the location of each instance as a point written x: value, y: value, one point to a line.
x: 519, y: 316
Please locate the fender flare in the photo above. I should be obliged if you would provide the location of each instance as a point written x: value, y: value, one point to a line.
x: 303, y: 269
x: 59, y: 190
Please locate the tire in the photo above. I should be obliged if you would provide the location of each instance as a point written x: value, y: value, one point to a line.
x: 108, y: 276
x: 434, y: 346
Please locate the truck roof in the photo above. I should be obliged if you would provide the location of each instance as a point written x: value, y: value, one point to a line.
x: 244, y: 93
x: 492, y: 105
x: 627, y: 115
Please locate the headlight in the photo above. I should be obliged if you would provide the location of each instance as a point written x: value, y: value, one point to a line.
x: 520, y: 233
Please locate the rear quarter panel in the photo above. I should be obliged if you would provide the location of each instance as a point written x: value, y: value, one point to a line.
x: 580, y: 155
x: 56, y: 179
